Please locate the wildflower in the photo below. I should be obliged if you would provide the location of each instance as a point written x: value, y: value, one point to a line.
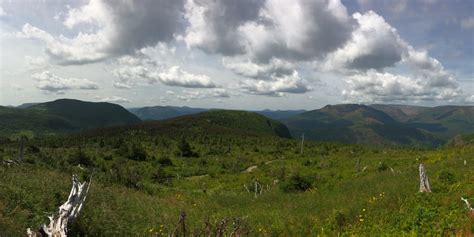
x: 363, y: 209
x: 361, y: 220
x: 151, y: 230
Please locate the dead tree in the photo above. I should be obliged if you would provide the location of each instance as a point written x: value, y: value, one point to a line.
x: 469, y: 207
x: 302, y: 144
x: 424, y: 182
x: 67, y: 213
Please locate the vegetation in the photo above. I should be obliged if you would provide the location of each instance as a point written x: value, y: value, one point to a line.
x: 238, y: 166
x: 384, y: 124
x: 62, y: 116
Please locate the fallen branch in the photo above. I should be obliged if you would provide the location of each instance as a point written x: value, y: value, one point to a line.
x: 67, y: 213
x: 469, y: 207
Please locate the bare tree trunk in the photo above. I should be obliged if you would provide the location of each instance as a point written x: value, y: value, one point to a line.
x: 22, y: 148
x: 67, y: 213
x: 424, y: 182
x: 302, y: 144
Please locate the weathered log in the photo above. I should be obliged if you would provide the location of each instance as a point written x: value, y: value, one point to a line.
x: 67, y: 213
x: 424, y: 182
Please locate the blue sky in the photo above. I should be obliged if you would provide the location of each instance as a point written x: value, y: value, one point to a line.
x: 249, y: 54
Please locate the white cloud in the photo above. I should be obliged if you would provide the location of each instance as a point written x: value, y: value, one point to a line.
x: 267, y: 29
x: 2, y: 12
x: 187, y: 95
x: 50, y: 83
x: 278, y: 86
x: 120, y: 28
x: 374, y: 45
x: 113, y: 99
x: 468, y: 23
x: 373, y: 86
x: 175, y: 76
x: 247, y: 68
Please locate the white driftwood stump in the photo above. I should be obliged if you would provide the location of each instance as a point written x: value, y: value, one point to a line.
x: 424, y: 182
x: 67, y: 213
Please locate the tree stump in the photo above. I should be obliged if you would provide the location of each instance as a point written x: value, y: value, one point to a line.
x: 424, y: 182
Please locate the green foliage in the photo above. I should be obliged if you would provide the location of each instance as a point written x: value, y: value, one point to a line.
x: 141, y: 183
x: 295, y: 183
x: 185, y: 150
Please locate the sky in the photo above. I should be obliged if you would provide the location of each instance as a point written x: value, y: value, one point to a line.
x: 245, y: 54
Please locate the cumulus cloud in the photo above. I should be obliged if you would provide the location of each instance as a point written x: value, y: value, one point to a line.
x: 267, y: 29
x: 467, y: 23
x: 278, y: 86
x: 374, y: 44
x: 120, y: 27
x: 51, y: 83
x: 247, y: 68
x: 113, y: 99
x: 373, y: 86
x: 218, y: 93
x: 173, y: 76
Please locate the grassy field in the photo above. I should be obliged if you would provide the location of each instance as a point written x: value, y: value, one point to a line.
x: 141, y: 184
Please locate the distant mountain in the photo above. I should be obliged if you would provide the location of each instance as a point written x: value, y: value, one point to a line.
x: 353, y: 123
x: 401, y: 113
x: 167, y: 112
x: 163, y: 112
x: 26, y: 105
x: 280, y: 114
x: 64, y: 115
x: 443, y: 121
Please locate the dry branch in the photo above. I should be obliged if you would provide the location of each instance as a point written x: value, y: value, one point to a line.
x: 469, y: 207
x: 67, y: 213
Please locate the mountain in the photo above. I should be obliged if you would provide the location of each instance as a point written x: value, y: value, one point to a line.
x: 401, y: 113
x: 216, y: 123
x: 354, y: 123
x: 63, y: 115
x: 163, y: 112
x: 443, y: 121
x: 167, y: 112
x: 280, y: 114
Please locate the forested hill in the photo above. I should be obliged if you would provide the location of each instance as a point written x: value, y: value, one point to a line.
x: 64, y: 115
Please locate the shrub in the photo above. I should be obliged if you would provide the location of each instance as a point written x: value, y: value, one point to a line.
x: 295, y: 183
x: 80, y: 158
x: 185, y: 150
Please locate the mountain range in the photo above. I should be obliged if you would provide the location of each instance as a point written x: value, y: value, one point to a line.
x: 348, y: 123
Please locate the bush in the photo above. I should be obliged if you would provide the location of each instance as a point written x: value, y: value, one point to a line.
x: 185, y: 150
x: 295, y: 183
x: 80, y: 158
x: 446, y: 177
x: 381, y: 167
x: 165, y: 161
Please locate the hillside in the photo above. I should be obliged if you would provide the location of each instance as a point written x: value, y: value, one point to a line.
x: 141, y: 183
x: 64, y: 115
x: 353, y: 123
x: 220, y: 123
x: 163, y: 112
x: 442, y: 121
x: 167, y: 112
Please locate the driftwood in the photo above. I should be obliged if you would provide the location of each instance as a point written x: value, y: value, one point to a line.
x: 67, y: 213
x: 424, y: 182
